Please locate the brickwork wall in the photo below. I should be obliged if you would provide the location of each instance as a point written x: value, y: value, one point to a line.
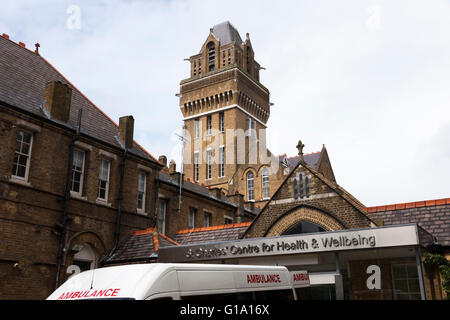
x: 178, y: 220
x: 29, y: 210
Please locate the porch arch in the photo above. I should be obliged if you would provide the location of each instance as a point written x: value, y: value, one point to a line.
x: 303, y: 213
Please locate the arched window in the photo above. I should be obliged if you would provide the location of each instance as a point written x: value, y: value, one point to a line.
x: 300, y: 183
x: 304, y: 227
x: 250, y: 186
x: 211, y: 56
x: 307, y: 186
x: 265, y: 184
x: 294, y: 184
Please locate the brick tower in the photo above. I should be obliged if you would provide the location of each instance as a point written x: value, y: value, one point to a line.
x: 225, y: 110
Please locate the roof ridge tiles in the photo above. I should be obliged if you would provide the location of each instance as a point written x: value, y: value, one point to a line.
x: 212, y: 228
x: 142, y: 232
x: 169, y: 239
x: 408, y: 205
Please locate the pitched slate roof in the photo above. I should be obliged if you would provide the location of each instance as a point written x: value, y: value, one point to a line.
x: 211, y: 234
x: 141, y: 246
x: 196, y: 188
x: 23, y: 78
x: 431, y: 215
x: 312, y: 159
x: 227, y: 33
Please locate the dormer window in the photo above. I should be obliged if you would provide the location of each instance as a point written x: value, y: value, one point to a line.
x: 211, y: 56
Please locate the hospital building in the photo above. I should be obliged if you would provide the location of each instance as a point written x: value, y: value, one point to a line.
x: 78, y: 192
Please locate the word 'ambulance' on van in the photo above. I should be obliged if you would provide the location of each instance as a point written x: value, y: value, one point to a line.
x: 183, y: 281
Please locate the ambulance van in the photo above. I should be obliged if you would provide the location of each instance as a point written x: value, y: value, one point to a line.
x: 183, y: 282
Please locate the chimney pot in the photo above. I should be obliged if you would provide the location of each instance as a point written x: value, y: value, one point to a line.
x: 22, y: 44
x: 58, y: 97
x: 126, y: 129
x: 4, y: 35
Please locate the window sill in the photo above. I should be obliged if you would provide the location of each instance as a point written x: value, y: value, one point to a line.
x: 77, y: 196
x: 102, y: 202
x: 20, y: 181
x: 141, y: 212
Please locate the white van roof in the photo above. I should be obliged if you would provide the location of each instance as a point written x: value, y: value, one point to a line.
x: 140, y: 281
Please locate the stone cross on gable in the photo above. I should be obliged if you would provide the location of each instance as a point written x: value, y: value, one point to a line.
x: 300, y: 147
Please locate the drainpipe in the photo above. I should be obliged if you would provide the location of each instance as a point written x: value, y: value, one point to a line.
x: 62, y: 227
x: 155, y: 216
x: 119, y: 201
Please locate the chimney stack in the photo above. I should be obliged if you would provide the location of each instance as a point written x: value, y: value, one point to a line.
x: 163, y: 161
x: 217, y: 192
x: 126, y: 129
x: 172, y: 167
x: 238, y: 199
x: 58, y: 97
x: 173, y: 172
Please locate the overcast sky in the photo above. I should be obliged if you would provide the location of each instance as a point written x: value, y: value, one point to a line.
x: 369, y: 79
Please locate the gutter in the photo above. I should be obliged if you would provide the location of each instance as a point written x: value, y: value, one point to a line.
x: 230, y: 204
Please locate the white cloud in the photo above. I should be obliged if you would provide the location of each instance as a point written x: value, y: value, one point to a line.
x: 369, y: 79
